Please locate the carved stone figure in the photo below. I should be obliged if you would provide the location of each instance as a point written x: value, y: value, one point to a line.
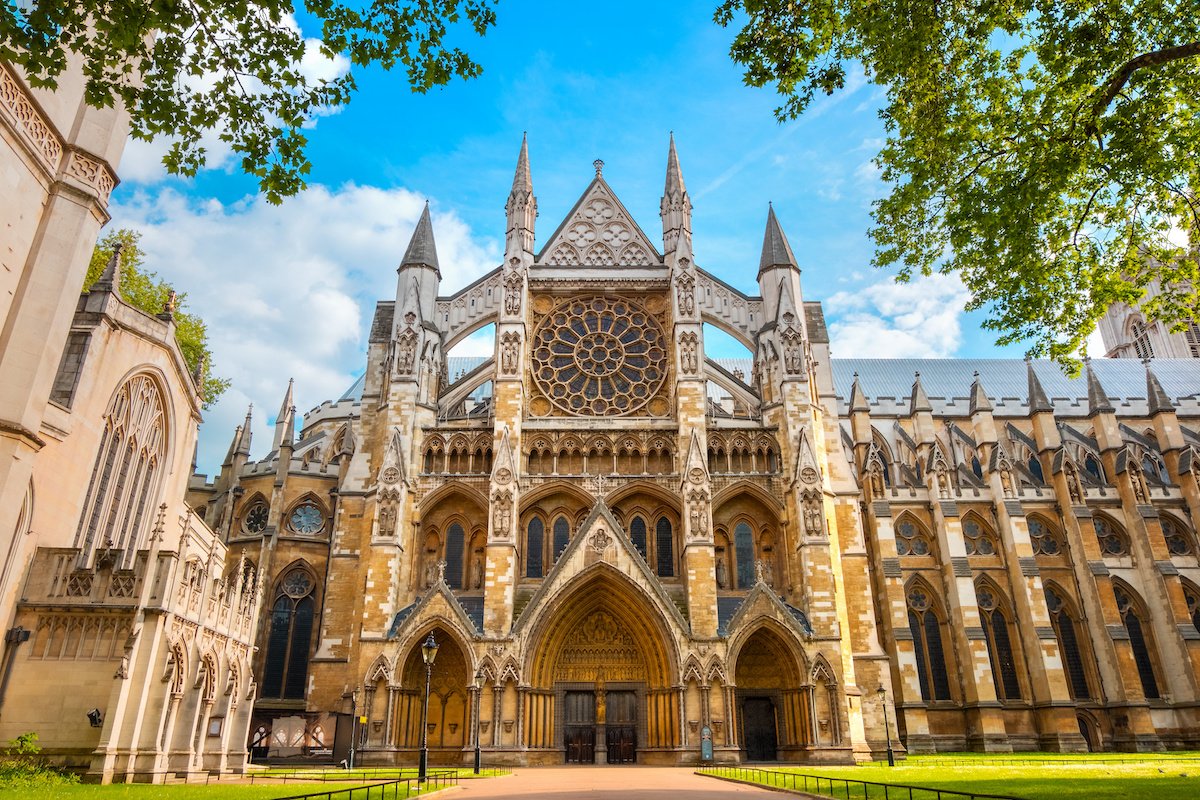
x: 687, y: 353
x: 477, y: 572
x: 431, y: 569
x: 406, y: 352
x: 510, y: 350
x: 387, y: 521
x: 512, y: 291
x: 501, y: 513
x: 813, y: 516
x: 686, y: 294
x: 722, y: 577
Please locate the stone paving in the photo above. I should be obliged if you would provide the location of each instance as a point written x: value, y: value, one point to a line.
x: 615, y: 782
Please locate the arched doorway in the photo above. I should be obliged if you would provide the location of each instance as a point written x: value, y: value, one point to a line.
x: 774, y: 711
x: 449, y: 708
x: 602, y: 684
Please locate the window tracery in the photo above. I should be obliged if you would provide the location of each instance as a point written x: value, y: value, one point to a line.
x: 926, y: 630
x: 979, y: 541
x: 599, y: 356
x: 1066, y: 630
x: 911, y: 539
x: 126, y: 471
x: 285, y: 670
x: 999, y: 642
x: 1046, y: 541
x: 1180, y: 541
x: 1138, y: 641
x: 1112, y: 539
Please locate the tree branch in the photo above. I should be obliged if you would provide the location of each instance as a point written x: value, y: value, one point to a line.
x: 1155, y: 58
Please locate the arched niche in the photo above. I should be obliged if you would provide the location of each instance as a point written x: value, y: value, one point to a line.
x: 449, y: 702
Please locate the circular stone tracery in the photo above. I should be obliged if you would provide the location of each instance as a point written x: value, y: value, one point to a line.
x: 599, y: 356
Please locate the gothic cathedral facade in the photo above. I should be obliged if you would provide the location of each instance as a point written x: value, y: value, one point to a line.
x: 628, y: 550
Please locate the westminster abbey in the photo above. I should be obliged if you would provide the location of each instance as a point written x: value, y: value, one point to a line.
x: 627, y: 549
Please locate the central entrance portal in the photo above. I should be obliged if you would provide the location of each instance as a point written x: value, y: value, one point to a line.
x: 607, y: 719
x: 758, y: 719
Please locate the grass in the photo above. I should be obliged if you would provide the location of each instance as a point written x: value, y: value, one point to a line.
x: 1064, y: 777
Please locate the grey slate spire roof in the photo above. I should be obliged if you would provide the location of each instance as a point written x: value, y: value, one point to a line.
x: 858, y: 398
x: 1038, y: 401
x: 775, y: 250
x: 1155, y: 394
x: 979, y: 398
x: 919, y: 400
x: 110, y: 278
x: 422, y: 252
x: 1098, y: 401
x: 674, y: 183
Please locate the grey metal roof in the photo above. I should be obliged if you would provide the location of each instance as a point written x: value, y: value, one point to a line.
x: 888, y: 383
x: 355, y: 391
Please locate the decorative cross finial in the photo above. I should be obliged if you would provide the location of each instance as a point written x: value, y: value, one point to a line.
x: 442, y: 571
x: 601, y: 483
x: 599, y: 165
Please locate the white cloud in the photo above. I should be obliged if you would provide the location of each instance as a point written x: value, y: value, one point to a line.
x: 921, y: 319
x: 289, y: 291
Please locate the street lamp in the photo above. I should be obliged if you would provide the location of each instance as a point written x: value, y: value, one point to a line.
x: 478, y: 714
x: 887, y: 728
x: 428, y: 654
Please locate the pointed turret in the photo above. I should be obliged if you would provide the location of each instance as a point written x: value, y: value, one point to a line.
x: 521, y: 208
x: 233, y: 446
x: 919, y: 401
x: 110, y: 278
x: 1156, y: 396
x: 676, y: 206
x: 284, y: 420
x: 422, y: 250
x: 776, y: 252
x: 243, y: 445
x: 979, y: 398
x: 858, y: 398
x: 419, y: 269
x: 1038, y: 401
x: 1098, y: 401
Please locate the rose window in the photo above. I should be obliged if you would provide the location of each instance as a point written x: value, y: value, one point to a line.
x: 599, y: 356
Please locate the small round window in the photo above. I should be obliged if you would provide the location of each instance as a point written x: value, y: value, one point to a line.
x: 255, y: 520
x: 306, y: 518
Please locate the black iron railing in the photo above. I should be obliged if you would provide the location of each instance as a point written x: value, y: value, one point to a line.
x: 848, y: 788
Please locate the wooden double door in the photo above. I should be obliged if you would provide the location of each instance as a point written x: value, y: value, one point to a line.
x: 619, y: 728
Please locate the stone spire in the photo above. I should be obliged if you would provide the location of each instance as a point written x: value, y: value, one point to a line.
x: 243, y: 442
x: 1038, y: 401
x: 1098, y: 401
x: 521, y: 208
x: 858, y: 398
x: 285, y: 420
x: 676, y: 206
x: 979, y: 398
x: 233, y: 446
x: 919, y: 400
x: 776, y: 252
x: 1156, y: 396
x: 422, y: 251
x: 110, y: 278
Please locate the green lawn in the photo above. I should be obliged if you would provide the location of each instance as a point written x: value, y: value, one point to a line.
x: 1136, y: 777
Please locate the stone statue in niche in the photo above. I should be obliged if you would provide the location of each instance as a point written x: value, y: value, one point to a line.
x: 813, y: 516
x: 1138, y: 482
x: 477, y: 570
x: 685, y: 293
x: 688, y: 360
x: 510, y: 349
x: 792, y: 358
x: 875, y: 479
x: 431, y: 568
x: 387, y: 521
x: 1074, y: 487
x: 512, y: 290
x: 698, y: 514
x: 501, y: 513
x: 722, y: 577
x: 406, y: 352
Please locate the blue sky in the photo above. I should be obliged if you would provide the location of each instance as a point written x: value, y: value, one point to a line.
x: 288, y: 291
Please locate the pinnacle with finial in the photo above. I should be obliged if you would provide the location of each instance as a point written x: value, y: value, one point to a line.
x: 919, y: 400
x: 979, y: 398
x: 422, y: 250
x: 599, y: 165
x: 110, y: 278
x: 674, y: 184
x: 1098, y: 401
x: 1156, y: 397
x: 858, y: 398
x: 775, y: 250
x: 1038, y: 401
x: 523, y: 179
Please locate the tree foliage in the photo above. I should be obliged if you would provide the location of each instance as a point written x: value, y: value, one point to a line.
x: 143, y: 290
x: 1041, y: 149
x: 187, y: 67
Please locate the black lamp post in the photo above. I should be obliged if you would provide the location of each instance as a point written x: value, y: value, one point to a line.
x: 887, y: 728
x: 428, y: 654
x: 478, y: 714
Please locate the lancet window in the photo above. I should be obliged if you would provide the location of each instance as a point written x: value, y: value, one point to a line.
x: 999, y: 642
x: 285, y: 671
x: 126, y: 472
x: 535, y: 534
x: 1139, y: 641
x: 926, y: 630
x: 1066, y: 630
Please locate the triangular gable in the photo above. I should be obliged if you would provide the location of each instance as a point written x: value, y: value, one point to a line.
x: 601, y: 540
x: 761, y: 601
x: 438, y: 601
x: 599, y: 232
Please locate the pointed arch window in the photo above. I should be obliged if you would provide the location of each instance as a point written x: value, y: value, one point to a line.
x: 664, y: 541
x: 1137, y: 640
x: 926, y: 631
x: 285, y: 671
x: 1046, y: 541
x: 743, y: 553
x: 1180, y: 541
x: 1093, y: 467
x: 911, y: 539
x: 1066, y: 630
x: 562, y: 535
x: 637, y: 534
x: 999, y: 643
x: 535, y: 534
x: 979, y: 540
x: 1141, y: 340
x: 1192, y: 596
x: 1112, y: 539
x: 455, y: 544
x: 125, y: 475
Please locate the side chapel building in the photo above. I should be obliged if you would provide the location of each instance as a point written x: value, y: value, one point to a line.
x: 624, y: 546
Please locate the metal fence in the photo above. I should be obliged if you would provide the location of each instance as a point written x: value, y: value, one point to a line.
x: 848, y: 788
x: 385, y: 790
x: 1017, y: 761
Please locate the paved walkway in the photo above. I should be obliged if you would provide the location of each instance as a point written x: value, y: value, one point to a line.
x: 609, y: 783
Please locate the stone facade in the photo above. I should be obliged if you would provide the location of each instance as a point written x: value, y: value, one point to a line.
x: 626, y: 549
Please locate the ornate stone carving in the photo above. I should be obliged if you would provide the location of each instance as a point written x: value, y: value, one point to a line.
x: 698, y: 514
x: 514, y: 286
x: 510, y: 352
x: 406, y: 352
x: 599, y: 539
x: 92, y: 172
x: 688, y: 358
x: 813, y: 513
x: 501, y: 513
x: 15, y: 102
